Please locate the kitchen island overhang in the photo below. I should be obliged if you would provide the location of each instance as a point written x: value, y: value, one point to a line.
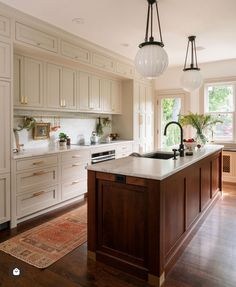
x: 142, y: 212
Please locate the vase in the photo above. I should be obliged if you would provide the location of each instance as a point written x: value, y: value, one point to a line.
x: 201, y: 139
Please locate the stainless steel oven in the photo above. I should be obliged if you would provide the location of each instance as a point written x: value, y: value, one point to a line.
x: 102, y: 156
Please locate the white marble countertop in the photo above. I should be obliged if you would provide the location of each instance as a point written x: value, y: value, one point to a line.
x: 56, y: 149
x: 152, y: 168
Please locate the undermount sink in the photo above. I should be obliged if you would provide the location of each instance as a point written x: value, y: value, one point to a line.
x: 159, y: 155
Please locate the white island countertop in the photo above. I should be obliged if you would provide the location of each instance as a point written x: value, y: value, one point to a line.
x: 153, y: 168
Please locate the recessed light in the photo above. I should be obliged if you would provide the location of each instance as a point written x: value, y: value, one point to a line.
x: 200, y: 48
x: 78, y: 20
x: 125, y: 44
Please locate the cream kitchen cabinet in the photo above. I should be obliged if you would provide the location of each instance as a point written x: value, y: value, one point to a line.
x: 74, y: 173
x: 75, y: 52
x: 4, y: 198
x: 111, y: 96
x: 124, y: 69
x: 36, y: 184
x: 28, y: 82
x: 5, y: 127
x: 60, y: 87
x: 103, y: 62
x: 89, y: 92
x: 32, y: 36
x: 5, y: 28
x: 124, y: 149
x: 5, y: 60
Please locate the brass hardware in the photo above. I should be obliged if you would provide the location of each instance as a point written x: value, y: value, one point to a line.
x: 75, y: 182
x: 38, y: 162
x: 38, y: 193
x: 22, y: 100
x: 76, y: 164
x: 41, y: 172
x: 76, y: 156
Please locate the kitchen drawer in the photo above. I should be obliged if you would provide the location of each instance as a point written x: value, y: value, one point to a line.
x: 75, y: 156
x: 28, y: 180
x: 75, y: 52
x: 124, y: 69
x: 36, y: 38
x: 124, y: 154
x: 124, y: 148
x: 73, y: 188
x: 73, y: 170
x: 37, y: 162
x: 4, y: 26
x: 36, y: 200
x: 103, y: 62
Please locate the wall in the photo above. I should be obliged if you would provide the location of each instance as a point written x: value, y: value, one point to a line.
x: 77, y: 126
x: 171, y: 78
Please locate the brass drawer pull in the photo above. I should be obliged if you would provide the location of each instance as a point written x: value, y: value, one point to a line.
x: 38, y: 193
x: 38, y: 162
x: 75, y: 182
x: 76, y: 156
x: 76, y: 164
x: 41, y: 172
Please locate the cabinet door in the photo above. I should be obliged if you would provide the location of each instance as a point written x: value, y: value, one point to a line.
x: 149, y: 100
x: 5, y: 119
x: 18, y: 81
x: 68, y: 89
x: 95, y: 94
x: 106, y: 95
x: 4, y: 198
x: 54, y: 73
x: 142, y: 98
x: 33, y: 82
x: 83, y: 91
x: 116, y: 96
x: 5, y: 26
x: 5, y: 60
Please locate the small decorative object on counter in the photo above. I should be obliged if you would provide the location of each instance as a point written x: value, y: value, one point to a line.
x: 114, y: 136
x: 94, y: 139
x: 99, y: 128
x: 108, y: 139
x: 190, y: 145
x: 62, y: 139
x: 41, y: 131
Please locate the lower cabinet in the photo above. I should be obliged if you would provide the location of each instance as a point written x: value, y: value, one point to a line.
x: 4, y: 198
x: 124, y: 150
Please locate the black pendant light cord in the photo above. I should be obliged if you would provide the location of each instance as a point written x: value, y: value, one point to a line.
x: 193, y: 64
x: 150, y: 40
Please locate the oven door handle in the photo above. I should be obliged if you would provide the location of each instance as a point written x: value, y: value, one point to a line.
x: 102, y: 159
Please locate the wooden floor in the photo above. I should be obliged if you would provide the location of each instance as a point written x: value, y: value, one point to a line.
x: 209, y: 260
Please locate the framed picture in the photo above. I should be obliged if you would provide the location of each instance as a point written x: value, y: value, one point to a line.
x: 41, y: 131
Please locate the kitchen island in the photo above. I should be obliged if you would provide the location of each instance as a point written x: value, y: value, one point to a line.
x: 143, y: 211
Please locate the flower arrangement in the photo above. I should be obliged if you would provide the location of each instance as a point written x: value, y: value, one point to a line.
x: 200, y: 122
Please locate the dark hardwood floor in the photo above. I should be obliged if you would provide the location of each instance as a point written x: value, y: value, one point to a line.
x: 209, y: 260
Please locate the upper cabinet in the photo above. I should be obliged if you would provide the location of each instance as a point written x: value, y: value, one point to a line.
x: 60, y: 87
x: 125, y: 69
x: 5, y: 128
x: 35, y: 37
x: 103, y: 62
x: 5, y: 60
x: 4, y: 26
x: 111, y: 96
x: 89, y: 92
x: 28, y: 82
x: 75, y: 52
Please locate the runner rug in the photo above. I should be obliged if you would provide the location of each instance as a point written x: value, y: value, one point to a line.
x: 43, y: 245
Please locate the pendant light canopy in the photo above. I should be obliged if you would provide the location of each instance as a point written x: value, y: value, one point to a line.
x: 191, y: 78
x: 151, y: 59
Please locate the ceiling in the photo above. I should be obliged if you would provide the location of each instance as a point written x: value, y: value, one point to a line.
x: 119, y: 25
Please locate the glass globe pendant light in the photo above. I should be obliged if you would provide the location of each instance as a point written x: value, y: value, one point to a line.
x: 151, y: 59
x: 191, y: 78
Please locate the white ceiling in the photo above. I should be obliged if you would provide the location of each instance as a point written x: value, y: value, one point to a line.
x: 112, y: 23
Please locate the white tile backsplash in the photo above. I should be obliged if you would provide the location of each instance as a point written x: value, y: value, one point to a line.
x: 78, y: 129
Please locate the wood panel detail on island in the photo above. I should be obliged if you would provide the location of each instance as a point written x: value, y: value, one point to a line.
x: 141, y: 225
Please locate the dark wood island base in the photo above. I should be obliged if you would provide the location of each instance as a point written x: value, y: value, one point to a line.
x: 141, y: 225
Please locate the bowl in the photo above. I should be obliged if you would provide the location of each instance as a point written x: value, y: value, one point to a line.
x: 190, y: 145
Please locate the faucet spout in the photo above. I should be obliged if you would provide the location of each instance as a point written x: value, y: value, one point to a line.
x: 181, y: 146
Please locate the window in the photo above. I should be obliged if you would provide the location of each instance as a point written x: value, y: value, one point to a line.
x: 170, y: 106
x: 220, y: 103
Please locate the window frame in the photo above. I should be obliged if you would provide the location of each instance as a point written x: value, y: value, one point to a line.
x: 205, y: 106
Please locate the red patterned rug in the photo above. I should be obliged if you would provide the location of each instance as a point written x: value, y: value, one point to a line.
x: 45, y: 244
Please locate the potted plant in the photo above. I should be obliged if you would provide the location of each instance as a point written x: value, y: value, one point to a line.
x: 62, y: 139
x: 201, y: 123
